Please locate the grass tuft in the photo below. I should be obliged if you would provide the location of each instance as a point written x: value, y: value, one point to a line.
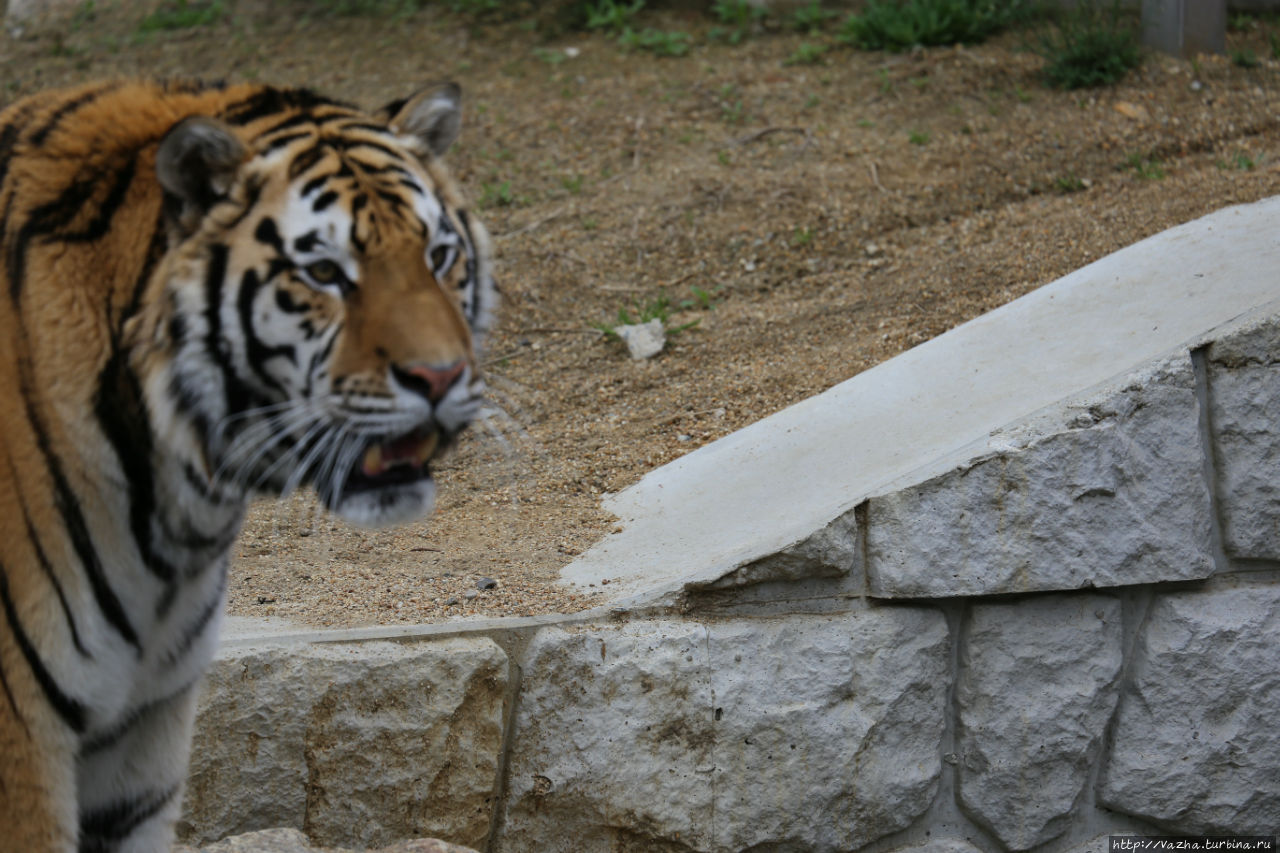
x: 657, y: 42
x: 1090, y: 45
x: 898, y: 26
x: 738, y: 18
x: 183, y: 15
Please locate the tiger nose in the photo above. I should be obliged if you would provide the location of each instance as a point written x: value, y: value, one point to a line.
x: 429, y: 380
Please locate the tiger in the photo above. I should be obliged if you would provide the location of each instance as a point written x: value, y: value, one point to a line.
x: 212, y: 291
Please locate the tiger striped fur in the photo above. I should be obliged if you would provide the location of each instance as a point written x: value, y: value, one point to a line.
x: 211, y: 291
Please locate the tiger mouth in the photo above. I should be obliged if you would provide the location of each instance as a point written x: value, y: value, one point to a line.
x: 396, y: 461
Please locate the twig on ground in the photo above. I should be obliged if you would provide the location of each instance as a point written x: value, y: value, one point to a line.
x: 875, y: 177
x: 555, y: 330
x: 682, y: 279
x: 537, y: 223
x: 663, y: 420
x: 760, y: 134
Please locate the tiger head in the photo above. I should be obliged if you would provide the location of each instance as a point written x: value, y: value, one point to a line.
x: 325, y: 300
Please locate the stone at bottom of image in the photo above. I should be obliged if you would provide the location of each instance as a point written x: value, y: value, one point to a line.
x: 818, y: 732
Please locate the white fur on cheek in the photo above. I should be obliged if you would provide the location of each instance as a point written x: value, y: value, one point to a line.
x: 395, y: 505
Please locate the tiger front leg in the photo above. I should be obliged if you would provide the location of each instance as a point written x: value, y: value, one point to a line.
x: 131, y: 777
x: 37, y: 764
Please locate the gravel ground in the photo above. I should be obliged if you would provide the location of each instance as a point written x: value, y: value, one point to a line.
x: 813, y: 220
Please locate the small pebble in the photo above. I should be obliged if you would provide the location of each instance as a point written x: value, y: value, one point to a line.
x: 470, y: 594
x: 486, y: 583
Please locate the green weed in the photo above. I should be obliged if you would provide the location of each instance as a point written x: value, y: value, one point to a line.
x: 638, y: 313
x: 703, y: 299
x: 496, y: 194
x: 370, y: 8
x: 898, y: 26
x: 811, y: 19
x: 731, y: 109
x: 1068, y: 183
x: 919, y: 137
x: 1241, y: 162
x: 739, y: 19
x: 1145, y: 168
x: 551, y: 57
x: 1240, y: 22
x: 660, y: 308
x: 806, y: 54
x: 657, y: 42
x: 1243, y: 57
x: 183, y: 15
x: 612, y: 17
x: 1090, y: 45
x: 478, y: 8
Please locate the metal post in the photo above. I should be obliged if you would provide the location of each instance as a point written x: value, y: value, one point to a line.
x: 1185, y: 27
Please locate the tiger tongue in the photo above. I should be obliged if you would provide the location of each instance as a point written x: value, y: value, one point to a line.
x: 414, y: 449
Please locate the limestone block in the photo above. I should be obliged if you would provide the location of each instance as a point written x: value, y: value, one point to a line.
x: 1106, y: 490
x: 939, y: 845
x: 1096, y: 844
x: 1195, y: 747
x: 1037, y: 684
x: 1244, y: 393
x: 614, y: 729
x: 293, y: 841
x: 358, y: 744
x: 804, y: 732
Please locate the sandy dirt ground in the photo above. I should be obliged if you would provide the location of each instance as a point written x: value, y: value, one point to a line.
x: 811, y: 220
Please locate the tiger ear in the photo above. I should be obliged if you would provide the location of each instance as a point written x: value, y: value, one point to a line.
x: 196, y: 162
x: 431, y: 116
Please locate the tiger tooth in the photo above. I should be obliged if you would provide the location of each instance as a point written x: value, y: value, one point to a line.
x: 426, y: 448
x: 372, y: 465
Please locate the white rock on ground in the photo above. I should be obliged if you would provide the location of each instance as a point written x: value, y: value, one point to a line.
x: 1195, y: 746
x: 1244, y: 390
x: 812, y: 733
x: 643, y: 340
x: 1107, y: 489
x: 357, y: 743
x: 1038, y: 682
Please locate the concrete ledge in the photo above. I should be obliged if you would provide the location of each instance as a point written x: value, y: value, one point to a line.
x: 767, y: 488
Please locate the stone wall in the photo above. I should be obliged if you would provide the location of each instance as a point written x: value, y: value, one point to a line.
x: 1074, y: 633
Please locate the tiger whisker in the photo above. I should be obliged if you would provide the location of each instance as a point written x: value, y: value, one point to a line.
x: 304, y: 466
x: 256, y: 442
x: 292, y: 453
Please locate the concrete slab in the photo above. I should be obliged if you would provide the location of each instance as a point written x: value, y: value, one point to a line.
x: 771, y: 485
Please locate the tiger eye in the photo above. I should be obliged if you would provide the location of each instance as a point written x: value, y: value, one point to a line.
x: 439, y: 255
x: 325, y: 272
